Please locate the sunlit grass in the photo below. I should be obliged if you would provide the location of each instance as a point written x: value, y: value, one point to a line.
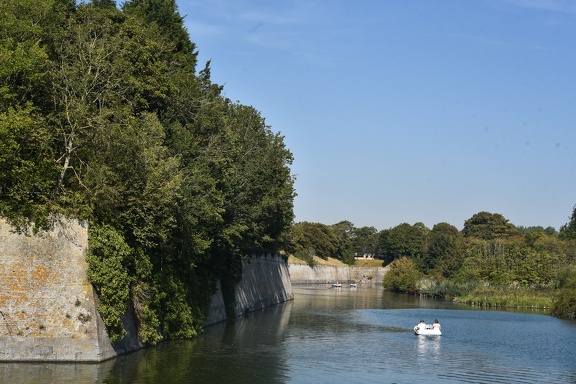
x: 486, y: 295
x: 511, y: 297
x: 303, y: 258
x: 294, y: 260
x: 366, y: 263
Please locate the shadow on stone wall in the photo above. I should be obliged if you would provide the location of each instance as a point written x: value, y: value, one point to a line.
x: 265, y: 282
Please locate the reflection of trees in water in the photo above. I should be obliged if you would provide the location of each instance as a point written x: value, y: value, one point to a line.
x: 239, y: 351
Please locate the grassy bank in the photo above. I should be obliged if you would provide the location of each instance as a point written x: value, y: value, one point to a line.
x: 315, y: 260
x: 365, y: 263
x: 506, y: 297
x: 486, y: 295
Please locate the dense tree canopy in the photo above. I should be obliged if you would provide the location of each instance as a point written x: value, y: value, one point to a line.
x: 344, y: 232
x: 402, y: 276
x: 488, y: 226
x: 316, y: 238
x: 342, y: 241
x: 568, y: 230
x: 404, y: 240
x: 103, y: 117
x: 365, y: 241
x: 445, y: 249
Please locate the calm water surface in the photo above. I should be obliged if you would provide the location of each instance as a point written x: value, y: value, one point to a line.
x: 348, y: 335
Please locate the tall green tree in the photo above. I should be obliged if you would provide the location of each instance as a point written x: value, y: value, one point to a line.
x: 28, y: 172
x: 488, y: 226
x: 258, y: 198
x: 404, y: 240
x: 568, y: 230
x: 345, y: 233
x: 365, y: 241
x: 402, y: 276
x: 318, y: 238
x: 23, y: 51
x: 445, y: 249
x: 564, y: 304
x: 164, y: 14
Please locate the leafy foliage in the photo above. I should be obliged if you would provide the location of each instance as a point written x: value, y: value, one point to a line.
x: 564, y: 304
x: 402, y: 276
x: 445, y: 249
x: 568, y: 230
x: 488, y: 226
x: 103, y: 117
x: 347, y: 241
x: 27, y: 174
x: 404, y: 240
x: 365, y: 241
x: 110, y: 276
x: 317, y: 238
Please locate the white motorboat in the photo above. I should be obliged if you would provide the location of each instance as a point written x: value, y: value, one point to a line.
x: 421, y: 329
x: 336, y: 285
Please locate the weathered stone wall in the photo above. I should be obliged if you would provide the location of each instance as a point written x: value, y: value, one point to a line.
x: 368, y: 275
x: 47, y: 305
x: 217, y: 310
x: 302, y: 273
x: 265, y: 282
x: 319, y: 274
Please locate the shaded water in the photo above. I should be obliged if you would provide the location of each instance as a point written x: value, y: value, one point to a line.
x: 361, y: 335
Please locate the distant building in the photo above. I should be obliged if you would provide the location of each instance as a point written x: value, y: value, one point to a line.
x: 365, y: 256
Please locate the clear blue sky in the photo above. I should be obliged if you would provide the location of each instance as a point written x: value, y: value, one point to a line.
x: 407, y: 110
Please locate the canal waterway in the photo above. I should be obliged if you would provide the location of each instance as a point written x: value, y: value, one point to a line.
x: 346, y: 335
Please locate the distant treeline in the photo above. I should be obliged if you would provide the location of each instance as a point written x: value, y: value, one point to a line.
x: 443, y: 261
x: 104, y: 117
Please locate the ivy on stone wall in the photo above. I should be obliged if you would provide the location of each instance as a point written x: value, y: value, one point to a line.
x: 106, y: 259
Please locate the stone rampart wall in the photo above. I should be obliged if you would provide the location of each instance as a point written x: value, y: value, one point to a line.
x: 368, y: 275
x: 47, y: 305
x: 265, y: 282
x: 321, y: 274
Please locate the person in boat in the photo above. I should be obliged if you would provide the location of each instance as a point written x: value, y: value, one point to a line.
x: 436, y: 325
x: 422, y: 325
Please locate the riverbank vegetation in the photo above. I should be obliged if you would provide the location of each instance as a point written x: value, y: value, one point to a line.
x: 105, y: 117
x: 490, y: 262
